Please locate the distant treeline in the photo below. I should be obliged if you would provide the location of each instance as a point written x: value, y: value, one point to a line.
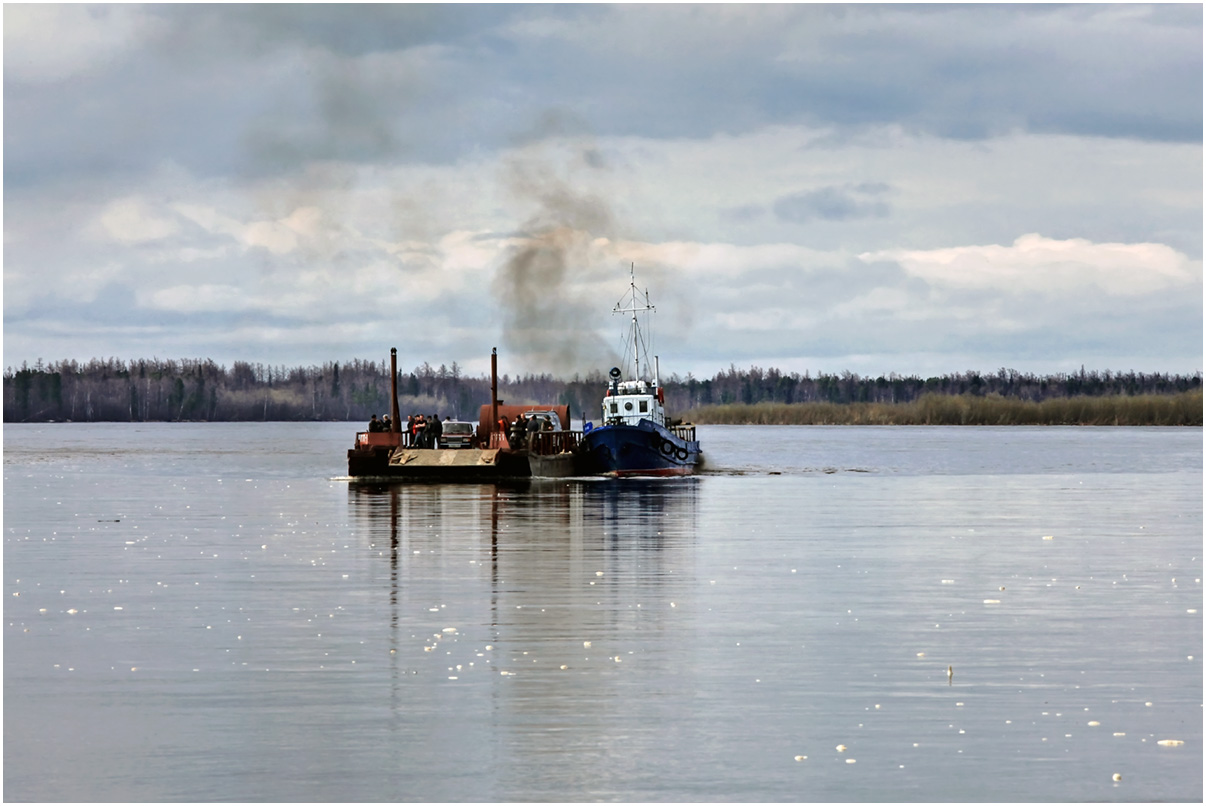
x: 172, y: 390
x: 1183, y: 408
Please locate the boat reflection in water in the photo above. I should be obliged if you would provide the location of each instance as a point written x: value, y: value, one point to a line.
x: 540, y: 539
x: 550, y: 601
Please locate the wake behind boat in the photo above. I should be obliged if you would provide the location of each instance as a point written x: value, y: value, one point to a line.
x: 636, y: 439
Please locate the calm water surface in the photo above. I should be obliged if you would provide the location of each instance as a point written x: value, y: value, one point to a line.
x: 204, y: 612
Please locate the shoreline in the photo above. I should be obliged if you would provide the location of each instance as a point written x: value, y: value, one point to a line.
x: 1183, y: 409
x: 1177, y: 410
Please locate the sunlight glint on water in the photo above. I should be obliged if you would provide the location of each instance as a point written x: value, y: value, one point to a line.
x: 211, y: 612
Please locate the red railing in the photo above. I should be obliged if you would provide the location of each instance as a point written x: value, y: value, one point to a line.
x: 541, y: 443
x: 383, y: 439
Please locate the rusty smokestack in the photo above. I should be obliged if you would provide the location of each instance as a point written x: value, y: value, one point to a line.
x: 394, y: 426
x: 493, y: 388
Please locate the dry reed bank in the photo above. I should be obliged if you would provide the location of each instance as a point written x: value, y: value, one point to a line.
x: 934, y: 409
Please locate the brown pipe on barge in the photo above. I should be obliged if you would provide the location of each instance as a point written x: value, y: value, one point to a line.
x: 493, y: 392
x: 371, y: 453
x: 394, y: 417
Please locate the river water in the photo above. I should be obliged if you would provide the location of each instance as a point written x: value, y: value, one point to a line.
x: 206, y: 612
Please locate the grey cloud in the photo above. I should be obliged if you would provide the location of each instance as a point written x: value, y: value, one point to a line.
x: 282, y: 81
x: 246, y: 89
x: 958, y: 71
x: 976, y: 71
x: 745, y: 213
x: 254, y: 91
x: 113, y: 305
x: 1141, y: 340
x: 1018, y: 330
x: 349, y: 117
x: 834, y: 204
x: 346, y: 29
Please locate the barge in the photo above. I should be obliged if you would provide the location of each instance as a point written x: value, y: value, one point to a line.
x: 498, y: 451
x: 636, y: 437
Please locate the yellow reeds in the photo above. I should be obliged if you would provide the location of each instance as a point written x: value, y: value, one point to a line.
x: 931, y: 409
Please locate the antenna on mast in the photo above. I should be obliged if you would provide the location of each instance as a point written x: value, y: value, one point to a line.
x: 637, y: 345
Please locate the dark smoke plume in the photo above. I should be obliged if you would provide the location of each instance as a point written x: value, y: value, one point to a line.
x: 549, y: 321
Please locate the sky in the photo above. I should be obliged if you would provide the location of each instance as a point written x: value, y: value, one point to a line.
x: 819, y: 188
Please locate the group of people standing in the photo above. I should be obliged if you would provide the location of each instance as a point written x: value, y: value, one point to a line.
x: 424, y: 433
x: 522, y: 428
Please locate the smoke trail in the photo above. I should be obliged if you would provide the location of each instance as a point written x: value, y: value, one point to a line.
x: 547, y: 316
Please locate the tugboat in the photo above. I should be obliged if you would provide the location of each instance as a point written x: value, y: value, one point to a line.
x: 636, y: 439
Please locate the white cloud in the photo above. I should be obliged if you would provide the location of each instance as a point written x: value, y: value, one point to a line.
x: 200, y: 298
x: 46, y: 42
x: 882, y: 301
x: 337, y: 260
x: 768, y: 319
x: 279, y: 236
x: 462, y: 260
x: 1034, y: 264
x: 208, y: 218
x: 381, y: 286
x: 275, y: 236
x: 40, y: 294
x: 724, y: 261
x: 131, y: 221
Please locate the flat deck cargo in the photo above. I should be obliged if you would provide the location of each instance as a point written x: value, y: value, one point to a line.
x: 496, y: 452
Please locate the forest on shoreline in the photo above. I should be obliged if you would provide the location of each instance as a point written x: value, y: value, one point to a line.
x: 159, y: 390
x: 1184, y: 408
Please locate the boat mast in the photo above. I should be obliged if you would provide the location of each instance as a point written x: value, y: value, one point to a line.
x: 633, y: 308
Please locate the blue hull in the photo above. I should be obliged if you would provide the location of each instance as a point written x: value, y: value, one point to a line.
x: 644, y: 449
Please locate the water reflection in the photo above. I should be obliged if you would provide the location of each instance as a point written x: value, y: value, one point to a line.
x: 253, y: 630
x: 536, y: 531
x: 555, y: 590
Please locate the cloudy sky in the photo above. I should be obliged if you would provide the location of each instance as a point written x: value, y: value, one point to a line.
x: 911, y: 189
